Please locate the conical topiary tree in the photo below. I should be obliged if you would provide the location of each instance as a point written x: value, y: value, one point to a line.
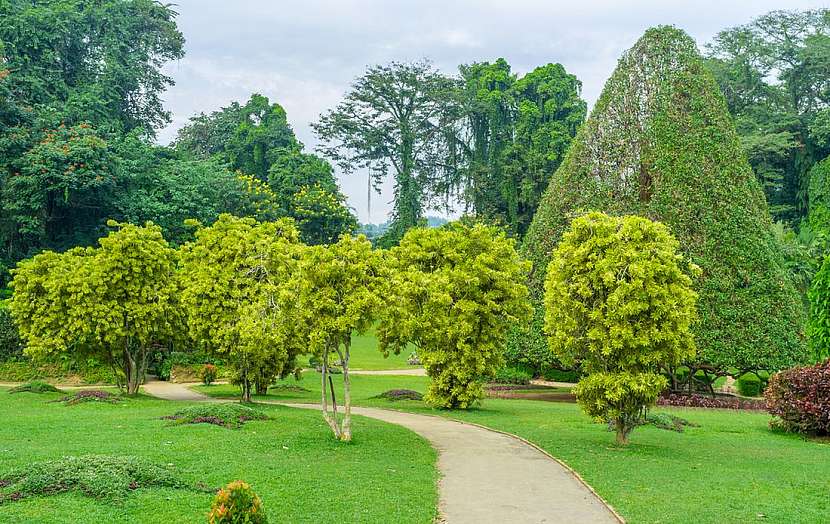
x: 660, y: 143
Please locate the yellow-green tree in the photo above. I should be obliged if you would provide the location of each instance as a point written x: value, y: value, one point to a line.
x: 618, y: 302
x: 112, y: 302
x: 341, y: 287
x: 234, y: 278
x: 453, y: 294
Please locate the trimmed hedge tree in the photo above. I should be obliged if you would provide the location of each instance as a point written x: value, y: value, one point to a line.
x: 618, y: 303
x: 660, y: 144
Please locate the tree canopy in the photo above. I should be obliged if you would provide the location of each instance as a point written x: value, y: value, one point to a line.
x: 661, y: 144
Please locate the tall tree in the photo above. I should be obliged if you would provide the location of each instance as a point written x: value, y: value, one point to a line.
x: 773, y: 72
x: 400, y: 118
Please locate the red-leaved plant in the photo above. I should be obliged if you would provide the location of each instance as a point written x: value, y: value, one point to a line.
x: 799, y: 398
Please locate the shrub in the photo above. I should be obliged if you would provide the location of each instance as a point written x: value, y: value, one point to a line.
x: 559, y: 375
x: 105, y: 478
x: 208, y: 374
x: 799, y: 398
x: 90, y: 395
x: 669, y: 422
x: 11, y: 347
x: 35, y: 386
x: 749, y: 385
x: 701, y: 401
x: 513, y: 375
x: 401, y: 394
x: 237, y: 503
x: 225, y: 415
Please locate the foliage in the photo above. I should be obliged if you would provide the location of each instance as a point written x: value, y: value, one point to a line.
x: 453, y: 293
x: 668, y: 421
x: 237, y: 503
x: 708, y: 401
x: 340, y: 294
x: 660, y: 144
x: 322, y: 216
x: 773, y: 72
x: 225, y: 414
x: 35, y: 386
x: 235, y: 289
x: 512, y: 375
x: 819, y: 324
x: 112, y: 303
x: 618, y: 303
x: 11, y: 347
x: 107, y: 478
x: 749, y: 385
x: 400, y: 118
x: 89, y: 395
x: 799, y: 398
x: 516, y: 133
x: 208, y: 374
x: 400, y: 394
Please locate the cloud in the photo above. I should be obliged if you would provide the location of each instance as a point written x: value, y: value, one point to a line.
x: 305, y: 55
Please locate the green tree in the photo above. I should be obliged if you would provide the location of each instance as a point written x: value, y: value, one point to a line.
x: 819, y: 326
x: 340, y: 294
x: 773, y: 72
x: 453, y: 293
x: 232, y: 277
x: 400, y: 118
x: 661, y: 144
x: 112, y: 302
x: 618, y: 303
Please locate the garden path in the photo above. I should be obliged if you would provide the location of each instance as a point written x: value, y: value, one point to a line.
x: 486, y: 476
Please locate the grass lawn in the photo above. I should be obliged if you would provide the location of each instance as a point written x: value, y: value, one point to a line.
x: 302, y: 475
x: 366, y: 355
x: 730, y: 469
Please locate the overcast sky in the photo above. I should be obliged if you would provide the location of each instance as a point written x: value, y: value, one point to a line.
x: 305, y: 54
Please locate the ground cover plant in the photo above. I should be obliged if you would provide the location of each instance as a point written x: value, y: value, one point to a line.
x: 89, y: 395
x: 229, y: 415
x: 401, y: 394
x: 272, y: 455
x: 35, y: 386
x: 106, y: 478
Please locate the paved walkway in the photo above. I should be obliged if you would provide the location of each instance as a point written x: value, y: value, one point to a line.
x: 487, y: 476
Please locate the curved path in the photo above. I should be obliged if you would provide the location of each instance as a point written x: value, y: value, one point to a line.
x: 487, y: 476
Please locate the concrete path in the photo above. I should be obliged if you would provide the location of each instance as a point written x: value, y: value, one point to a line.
x: 487, y: 476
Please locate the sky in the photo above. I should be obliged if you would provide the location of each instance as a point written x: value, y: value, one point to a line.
x: 304, y: 55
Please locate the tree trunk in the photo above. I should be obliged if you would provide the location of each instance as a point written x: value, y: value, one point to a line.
x: 246, y: 389
x: 131, y: 371
x: 331, y: 421
x: 622, y: 431
x: 261, y: 388
x: 346, y: 433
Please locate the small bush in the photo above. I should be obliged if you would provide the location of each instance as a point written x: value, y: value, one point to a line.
x: 400, y: 394
x: 799, y: 398
x: 749, y: 385
x: 513, y: 375
x: 226, y: 415
x: 35, y: 386
x: 702, y: 401
x: 101, y: 477
x: 669, y: 422
x: 90, y: 395
x: 237, y: 503
x: 208, y: 374
x: 559, y: 375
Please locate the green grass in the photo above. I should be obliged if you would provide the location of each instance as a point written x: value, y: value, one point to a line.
x: 366, y: 355
x: 730, y: 469
x: 292, y: 462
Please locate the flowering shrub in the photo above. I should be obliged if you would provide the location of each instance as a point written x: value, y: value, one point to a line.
x: 237, y: 503
x: 799, y: 398
x: 702, y: 401
x: 89, y: 395
x: 226, y: 415
x: 208, y: 374
x: 401, y: 394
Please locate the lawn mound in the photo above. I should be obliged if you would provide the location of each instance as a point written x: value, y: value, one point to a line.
x: 400, y: 394
x: 106, y: 478
x: 35, y: 386
x: 89, y: 395
x: 226, y: 415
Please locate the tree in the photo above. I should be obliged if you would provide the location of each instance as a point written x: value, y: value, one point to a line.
x: 233, y: 276
x: 661, y: 144
x: 340, y: 294
x: 453, y: 293
x: 400, y: 118
x: 773, y: 72
x: 110, y: 55
x: 819, y: 325
x: 517, y: 133
x: 112, y: 302
x: 618, y: 303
